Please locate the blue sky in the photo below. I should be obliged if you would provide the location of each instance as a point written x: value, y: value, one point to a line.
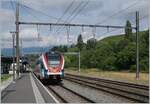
x: 92, y: 12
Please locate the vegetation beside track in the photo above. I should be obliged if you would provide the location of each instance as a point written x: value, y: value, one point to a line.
x: 114, y: 75
x: 112, y: 57
x: 114, y: 53
x: 4, y: 77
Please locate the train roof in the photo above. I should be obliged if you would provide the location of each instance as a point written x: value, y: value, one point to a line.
x: 54, y: 52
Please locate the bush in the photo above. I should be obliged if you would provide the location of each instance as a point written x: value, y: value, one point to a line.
x: 133, y: 68
x: 144, y: 65
x: 109, y: 63
x: 126, y: 57
x: 112, y: 53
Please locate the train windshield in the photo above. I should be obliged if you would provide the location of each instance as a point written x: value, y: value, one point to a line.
x: 53, y: 59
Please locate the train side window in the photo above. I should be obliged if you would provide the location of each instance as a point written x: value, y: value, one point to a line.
x: 42, y: 66
x: 38, y: 62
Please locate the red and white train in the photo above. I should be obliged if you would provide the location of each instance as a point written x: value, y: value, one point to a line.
x: 50, y: 66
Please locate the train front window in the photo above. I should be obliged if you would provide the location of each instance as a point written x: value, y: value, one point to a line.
x: 53, y: 60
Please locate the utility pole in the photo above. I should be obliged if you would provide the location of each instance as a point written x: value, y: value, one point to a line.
x: 17, y: 40
x: 137, y: 45
x: 21, y: 48
x: 79, y: 62
x: 13, y: 37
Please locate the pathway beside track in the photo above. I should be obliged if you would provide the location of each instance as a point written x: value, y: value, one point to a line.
x: 26, y: 89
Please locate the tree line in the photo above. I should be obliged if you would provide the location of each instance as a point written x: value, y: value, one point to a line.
x: 111, y: 53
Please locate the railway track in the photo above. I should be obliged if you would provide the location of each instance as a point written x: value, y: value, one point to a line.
x: 67, y: 95
x: 131, y: 91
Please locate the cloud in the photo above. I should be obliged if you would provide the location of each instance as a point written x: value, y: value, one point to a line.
x: 6, y: 19
x: 86, y: 36
x: 95, y: 12
x: 6, y: 16
x: 28, y: 33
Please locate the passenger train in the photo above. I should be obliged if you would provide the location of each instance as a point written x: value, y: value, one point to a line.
x: 50, y: 66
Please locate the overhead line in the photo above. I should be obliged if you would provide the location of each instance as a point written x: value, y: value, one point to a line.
x: 29, y: 12
x: 117, y: 29
x: 66, y: 24
x: 73, y: 11
x: 71, y: 15
x: 110, y: 31
x: 66, y: 10
x: 11, y: 2
x: 120, y: 11
x: 13, y: 7
x: 146, y: 16
x: 41, y: 12
x: 79, y: 11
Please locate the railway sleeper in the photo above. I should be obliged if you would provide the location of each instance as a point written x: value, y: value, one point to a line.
x: 112, y: 91
x: 117, y: 87
x: 144, y: 87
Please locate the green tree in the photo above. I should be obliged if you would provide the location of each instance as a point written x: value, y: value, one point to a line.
x: 102, y: 55
x: 54, y: 48
x: 122, y: 44
x: 80, y: 43
x: 128, y: 30
x: 126, y: 57
x: 91, y: 43
x: 144, y: 50
x: 65, y: 48
x: 60, y: 48
x: 109, y: 63
x: 112, y: 53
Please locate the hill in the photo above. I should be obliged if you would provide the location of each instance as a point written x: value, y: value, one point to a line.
x: 111, y: 53
x: 28, y: 50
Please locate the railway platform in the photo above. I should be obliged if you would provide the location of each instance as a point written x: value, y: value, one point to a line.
x: 26, y: 89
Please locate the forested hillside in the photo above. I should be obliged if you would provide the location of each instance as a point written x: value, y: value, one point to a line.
x: 111, y: 53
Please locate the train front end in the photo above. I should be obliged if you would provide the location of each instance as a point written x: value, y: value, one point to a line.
x: 53, y: 66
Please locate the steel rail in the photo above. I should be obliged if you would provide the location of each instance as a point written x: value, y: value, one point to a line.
x: 73, y: 92
x: 116, y: 91
x: 133, y: 85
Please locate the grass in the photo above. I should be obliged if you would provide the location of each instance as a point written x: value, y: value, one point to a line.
x: 5, y: 77
x: 114, y: 75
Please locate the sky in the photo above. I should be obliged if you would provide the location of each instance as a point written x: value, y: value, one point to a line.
x: 102, y: 12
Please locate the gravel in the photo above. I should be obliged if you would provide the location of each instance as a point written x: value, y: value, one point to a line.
x: 96, y: 95
x: 67, y: 95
